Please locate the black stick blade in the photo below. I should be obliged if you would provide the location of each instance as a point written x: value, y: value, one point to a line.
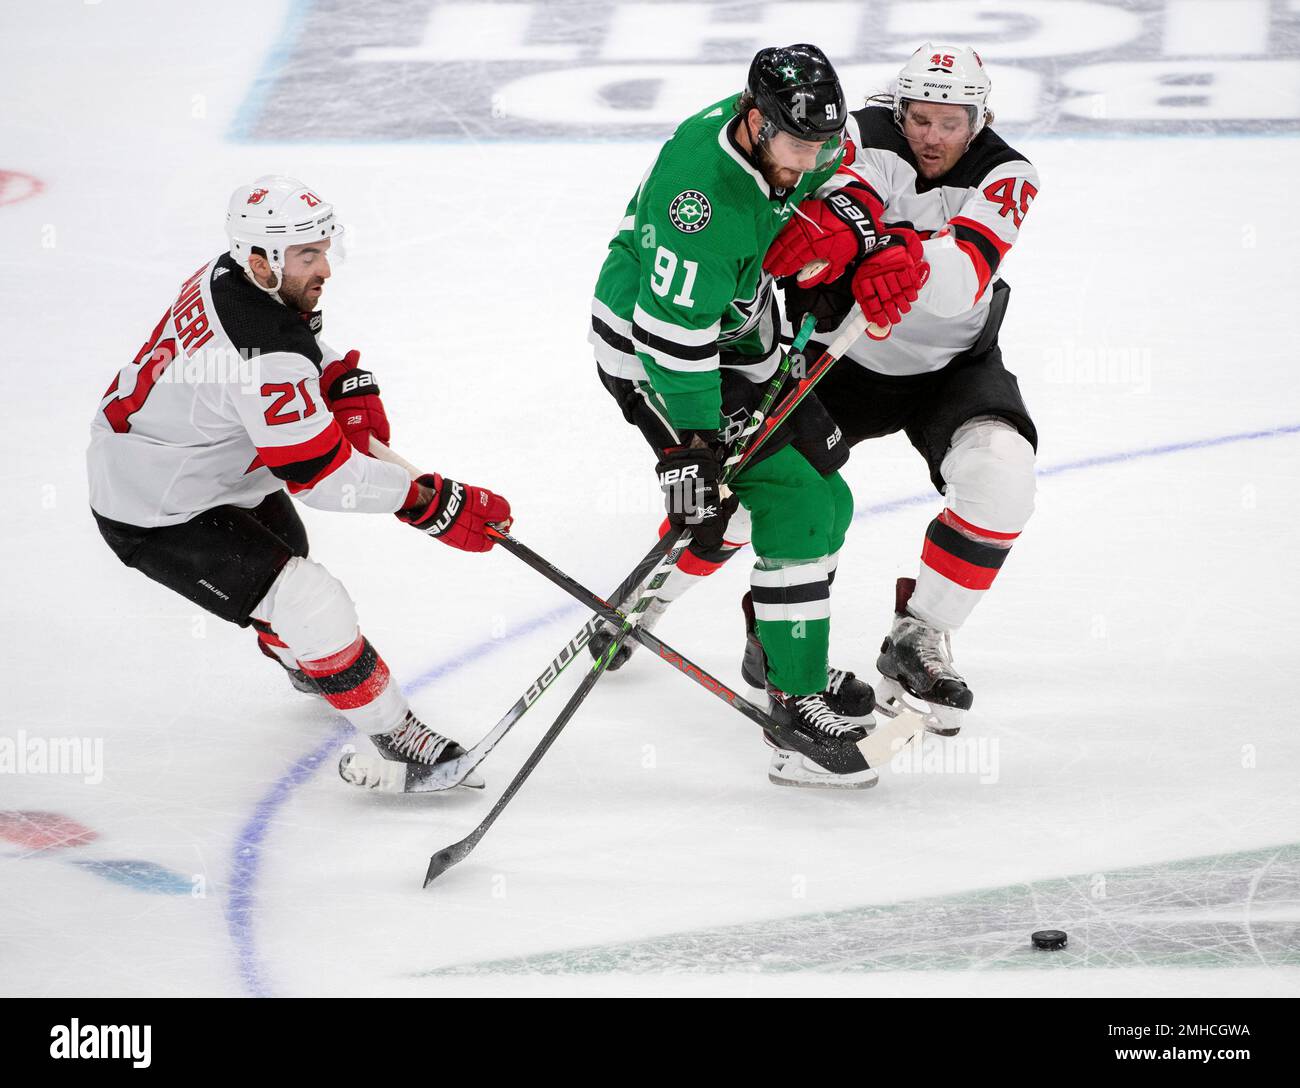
x: 444, y: 860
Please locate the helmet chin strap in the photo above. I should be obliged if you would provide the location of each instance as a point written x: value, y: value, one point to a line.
x: 274, y: 289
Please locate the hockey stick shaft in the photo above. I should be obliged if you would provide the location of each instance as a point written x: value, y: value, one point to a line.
x: 757, y: 439
x: 585, y: 597
x: 454, y: 771
x: 447, y: 775
x: 445, y: 858
x: 458, y: 851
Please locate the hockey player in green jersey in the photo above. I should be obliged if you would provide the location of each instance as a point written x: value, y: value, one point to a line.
x: 686, y: 334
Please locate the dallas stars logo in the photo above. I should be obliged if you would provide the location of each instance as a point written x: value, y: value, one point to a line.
x: 690, y: 211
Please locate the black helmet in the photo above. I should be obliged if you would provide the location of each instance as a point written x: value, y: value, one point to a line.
x: 797, y: 90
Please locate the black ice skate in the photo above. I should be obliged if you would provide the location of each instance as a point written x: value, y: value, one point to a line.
x: 599, y: 642
x: 404, y: 760
x: 845, y: 694
x: 814, y: 745
x: 302, y: 682
x: 297, y: 678
x: 916, y: 660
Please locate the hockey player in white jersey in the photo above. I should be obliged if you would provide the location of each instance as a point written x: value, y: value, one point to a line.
x: 233, y: 404
x: 928, y: 164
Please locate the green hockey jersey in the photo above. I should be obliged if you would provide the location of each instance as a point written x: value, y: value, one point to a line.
x: 683, y: 282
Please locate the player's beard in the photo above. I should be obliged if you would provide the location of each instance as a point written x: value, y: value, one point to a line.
x: 945, y: 159
x: 778, y: 177
x: 299, y: 294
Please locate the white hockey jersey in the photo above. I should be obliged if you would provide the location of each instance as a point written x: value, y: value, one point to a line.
x: 968, y: 220
x: 222, y: 406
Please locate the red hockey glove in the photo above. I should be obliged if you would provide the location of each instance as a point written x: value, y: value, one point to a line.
x: 352, y: 394
x: 840, y: 229
x: 457, y: 514
x: 887, y: 282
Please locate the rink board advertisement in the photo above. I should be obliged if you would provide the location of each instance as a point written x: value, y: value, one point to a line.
x: 585, y: 69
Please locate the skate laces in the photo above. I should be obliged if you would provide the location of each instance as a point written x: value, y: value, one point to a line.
x: 415, y: 739
x: 835, y: 680
x: 815, y: 710
x: 933, y: 647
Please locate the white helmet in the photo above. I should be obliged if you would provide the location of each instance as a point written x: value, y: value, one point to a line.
x: 948, y: 74
x: 274, y: 213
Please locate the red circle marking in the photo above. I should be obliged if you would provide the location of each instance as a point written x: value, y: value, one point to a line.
x: 43, y: 830
x: 15, y: 186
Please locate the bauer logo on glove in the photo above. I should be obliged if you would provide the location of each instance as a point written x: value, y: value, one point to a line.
x: 457, y: 514
x: 352, y: 394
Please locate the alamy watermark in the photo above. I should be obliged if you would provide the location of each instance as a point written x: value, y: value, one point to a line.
x: 118, y: 1042
x: 23, y: 754
x: 212, y: 366
x: 1099, y: 364
x: 955, y: 755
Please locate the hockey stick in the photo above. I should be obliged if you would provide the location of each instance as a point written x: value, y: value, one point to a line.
x: 608, y: 611
x: 605, y: 610
x: 458, y: 851
x: 445, y: 776
x: 870, y: 747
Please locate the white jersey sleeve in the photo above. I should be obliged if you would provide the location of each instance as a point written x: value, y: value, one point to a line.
x: 297, y: 438
x: 967, y: 220
x: 967, y: 251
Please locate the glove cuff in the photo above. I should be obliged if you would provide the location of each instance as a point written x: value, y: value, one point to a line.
x: 415, y: 512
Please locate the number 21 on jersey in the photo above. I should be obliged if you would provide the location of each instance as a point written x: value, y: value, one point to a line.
x: 665, y: 271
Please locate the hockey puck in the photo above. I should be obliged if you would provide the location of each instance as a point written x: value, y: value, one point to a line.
x: 1049, y: 940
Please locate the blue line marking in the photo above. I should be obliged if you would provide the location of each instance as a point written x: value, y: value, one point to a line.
x: 241, y: 908
x: 484, y: 648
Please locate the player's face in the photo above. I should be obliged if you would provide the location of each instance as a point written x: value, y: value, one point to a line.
x: 783, y: 159
x: 937, y: 134
x: 306, y: 268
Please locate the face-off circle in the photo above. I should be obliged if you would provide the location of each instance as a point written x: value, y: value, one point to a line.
x: 690, y: 211
x: 15, y: 186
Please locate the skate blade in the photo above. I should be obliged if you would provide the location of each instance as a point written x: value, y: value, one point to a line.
x: 792, y: 769
x: 892, y: 699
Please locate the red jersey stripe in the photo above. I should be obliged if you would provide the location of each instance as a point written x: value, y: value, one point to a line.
x: 984, y: 229
x: 317, y: 446
x: 336, y: 462
x: 982, y: 271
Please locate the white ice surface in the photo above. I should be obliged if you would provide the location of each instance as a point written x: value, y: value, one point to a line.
x: 1135, y: 663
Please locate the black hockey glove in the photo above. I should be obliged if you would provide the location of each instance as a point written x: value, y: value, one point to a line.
x: 689, y: 475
